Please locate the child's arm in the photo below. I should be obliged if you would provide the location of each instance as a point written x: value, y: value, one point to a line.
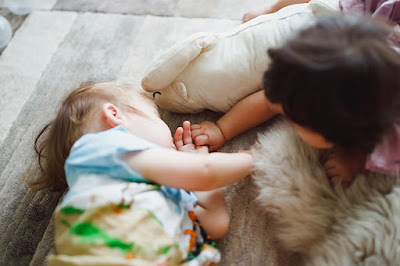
x: 253, y: 110
x: 190, y: 171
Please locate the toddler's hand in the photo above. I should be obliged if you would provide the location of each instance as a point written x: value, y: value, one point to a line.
x: 183, y: 140
x: 342, y: 166
x: 208, y: 133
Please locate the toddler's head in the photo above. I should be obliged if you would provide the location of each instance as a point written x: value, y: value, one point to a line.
x: 93, y: 108
x: 339, y: 79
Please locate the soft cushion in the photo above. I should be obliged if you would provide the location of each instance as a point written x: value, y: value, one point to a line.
x: 325, y: 225
x: 216, y: 70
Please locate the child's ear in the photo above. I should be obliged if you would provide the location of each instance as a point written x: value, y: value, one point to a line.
x: 111, y: 115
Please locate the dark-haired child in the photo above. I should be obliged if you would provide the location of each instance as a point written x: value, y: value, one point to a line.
x: 338, y: 84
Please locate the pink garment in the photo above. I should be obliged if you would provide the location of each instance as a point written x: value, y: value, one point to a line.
x: 388, y: 10
x: 386, y: 156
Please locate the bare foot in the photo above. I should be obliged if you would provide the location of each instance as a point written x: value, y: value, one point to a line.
x: 342, y: 166
x: 255, y: 13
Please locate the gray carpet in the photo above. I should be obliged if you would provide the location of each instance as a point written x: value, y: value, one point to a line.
x: 52, y: 52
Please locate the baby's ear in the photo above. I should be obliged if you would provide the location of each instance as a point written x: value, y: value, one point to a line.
x: 111, y: 115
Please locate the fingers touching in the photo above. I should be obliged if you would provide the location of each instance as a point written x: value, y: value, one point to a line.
x: 184, y: 138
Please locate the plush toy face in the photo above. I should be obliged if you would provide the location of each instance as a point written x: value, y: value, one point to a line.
x: 173, y: 98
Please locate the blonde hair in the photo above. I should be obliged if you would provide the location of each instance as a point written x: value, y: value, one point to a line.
x: 54, y: 141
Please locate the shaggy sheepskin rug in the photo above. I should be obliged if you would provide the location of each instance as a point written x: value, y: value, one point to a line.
x: 325, y: 225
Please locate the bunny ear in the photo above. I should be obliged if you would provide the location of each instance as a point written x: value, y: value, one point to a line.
x: 166, y: 68
x: 180, y: 89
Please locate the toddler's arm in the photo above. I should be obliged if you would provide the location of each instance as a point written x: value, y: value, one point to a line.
x: 190, y: 171
x: 253, y: 110
x: 187, y: 170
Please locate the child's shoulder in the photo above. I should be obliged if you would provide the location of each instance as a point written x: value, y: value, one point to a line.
x: 116, y: 137
x: 102, y: 148
x: 100, y: 153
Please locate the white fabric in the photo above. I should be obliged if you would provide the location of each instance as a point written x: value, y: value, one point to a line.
x: 325, y: 225
x: 216, y: 70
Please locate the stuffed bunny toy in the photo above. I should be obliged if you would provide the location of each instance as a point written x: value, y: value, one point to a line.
x: 216, y: 70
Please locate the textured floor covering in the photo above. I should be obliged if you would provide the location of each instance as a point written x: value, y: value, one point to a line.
x: 53, y: 52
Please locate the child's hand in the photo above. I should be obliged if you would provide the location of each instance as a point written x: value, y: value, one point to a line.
x: 342, y: 166
x: 208, y: 133
x: 183, y: 140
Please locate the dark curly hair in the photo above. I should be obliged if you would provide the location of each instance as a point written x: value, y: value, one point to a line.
x: 340, y: 78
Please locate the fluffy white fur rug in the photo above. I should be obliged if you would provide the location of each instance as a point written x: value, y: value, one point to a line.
x: 327, y: 226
